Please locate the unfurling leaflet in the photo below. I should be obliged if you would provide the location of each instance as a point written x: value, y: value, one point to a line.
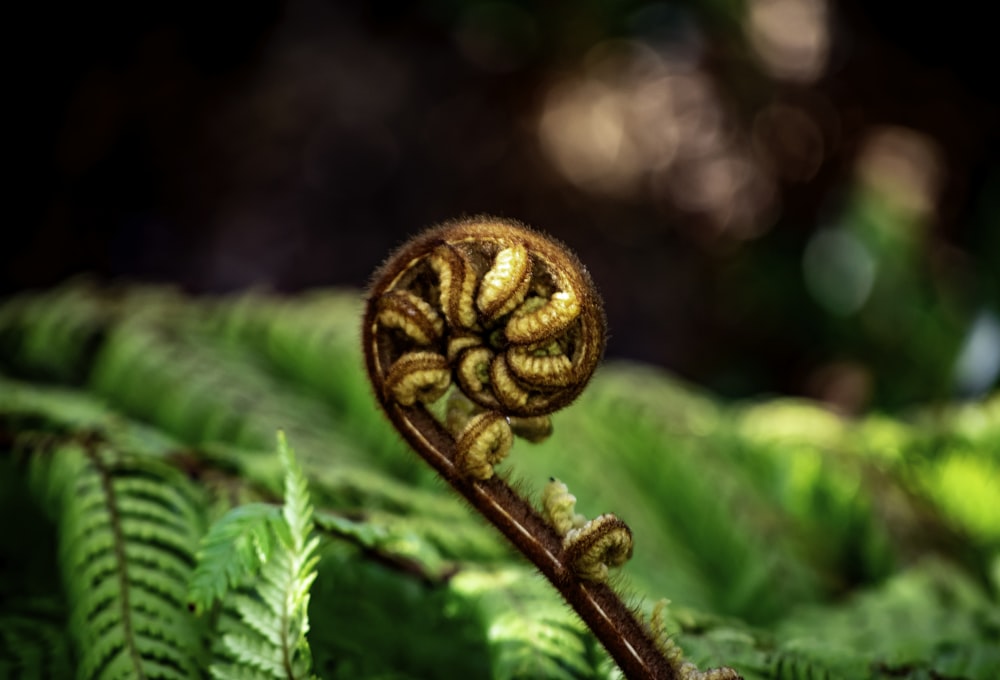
x: 592, y: 546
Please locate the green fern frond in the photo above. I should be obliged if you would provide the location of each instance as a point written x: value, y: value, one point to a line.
x: 232, y: 552
x: 776, y: 513
x: 179, y: 379
x: 33, y: 642
x: 931, y: 619
x: 35, y: 412
x: 265, y: 622
x: 298, y: 510
x: 313, y: 341
x: 432, y: 545
x: 529, y: 631
x: 54, y: 333
x: 128, y: 534
x: 400, y: 518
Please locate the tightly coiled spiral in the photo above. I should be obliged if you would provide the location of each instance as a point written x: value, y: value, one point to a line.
x: 504, y: 318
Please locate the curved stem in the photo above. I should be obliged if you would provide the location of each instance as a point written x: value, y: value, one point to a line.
x: 627, y: 640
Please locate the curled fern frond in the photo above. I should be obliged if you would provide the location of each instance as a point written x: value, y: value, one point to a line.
x: 508, y: 316
x: 511, y: 323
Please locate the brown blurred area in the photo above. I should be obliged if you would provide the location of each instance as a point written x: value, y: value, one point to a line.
x: 794, y: 196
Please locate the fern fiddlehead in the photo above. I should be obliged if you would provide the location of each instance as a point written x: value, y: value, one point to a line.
x: 509, y: 317
x: 474, y: 332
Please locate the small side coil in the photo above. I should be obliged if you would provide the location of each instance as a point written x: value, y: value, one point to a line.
x: 592, y: 547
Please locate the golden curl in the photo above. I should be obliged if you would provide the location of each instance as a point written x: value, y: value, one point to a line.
x: 598, y: 545
x: 545, y: 322
x: 410, y: 314
x: 483, y: 443
x: 457, y: 283
x: 532, y: 428
x: 418, y: 376
x: 504, y: 286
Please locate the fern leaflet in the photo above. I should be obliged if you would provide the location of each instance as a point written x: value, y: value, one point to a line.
x: 261, y: 565
x: 128, y: 535
x: 232, y: 552
x: 33, y: 642
x: 530, y: 632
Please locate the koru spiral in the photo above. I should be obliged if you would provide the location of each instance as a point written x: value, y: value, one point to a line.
x: 504, y: 321
x: 474, y: 332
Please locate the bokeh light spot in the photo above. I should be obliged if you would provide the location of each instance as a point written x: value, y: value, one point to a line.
x: 978, y: 363
x: 790, y: 37
x: 902, y: 166
x: 583, y: 130
x: 633, y: 122
x: 839, y: 271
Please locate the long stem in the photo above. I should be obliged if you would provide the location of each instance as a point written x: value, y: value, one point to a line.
x: 601, y: 609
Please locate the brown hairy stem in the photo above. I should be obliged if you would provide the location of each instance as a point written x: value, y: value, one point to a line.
x: 613, y: 623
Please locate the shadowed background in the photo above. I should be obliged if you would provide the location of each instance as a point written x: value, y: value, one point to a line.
x: 792, y: 196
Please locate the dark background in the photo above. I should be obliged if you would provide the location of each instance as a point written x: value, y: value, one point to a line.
x: 770, y: 202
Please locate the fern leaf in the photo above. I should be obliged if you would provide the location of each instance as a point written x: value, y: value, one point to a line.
x: 128, y: 618
x: 33, y: 645
x: 243, y: 673
x: 232, y: 552
x: 314, y: 342
x: 269, y: 636
x: 776, y: 513
x: 530, y: 632
x: 929, y: 620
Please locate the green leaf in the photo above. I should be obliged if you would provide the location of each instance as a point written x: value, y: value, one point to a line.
x: 128, y: 616
x: 232, y: 552
x: 270, y: 607
x: 531, y: 633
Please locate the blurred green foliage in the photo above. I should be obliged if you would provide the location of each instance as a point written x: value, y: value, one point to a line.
x: 791, y: 542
